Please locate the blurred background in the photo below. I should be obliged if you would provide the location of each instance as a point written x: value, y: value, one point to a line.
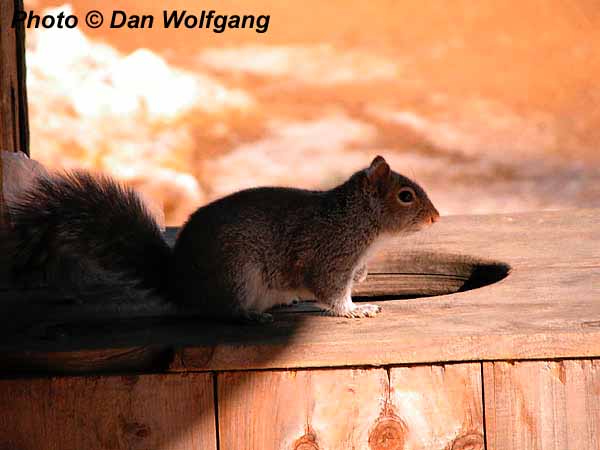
x: 491, y: 106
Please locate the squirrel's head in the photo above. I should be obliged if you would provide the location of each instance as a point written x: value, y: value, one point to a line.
x: 404, y: 205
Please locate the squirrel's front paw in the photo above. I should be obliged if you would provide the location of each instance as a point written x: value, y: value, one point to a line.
x: 357, y: 311
x: 365, y: 310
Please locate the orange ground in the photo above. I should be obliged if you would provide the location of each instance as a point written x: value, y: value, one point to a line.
x: 493, y: 108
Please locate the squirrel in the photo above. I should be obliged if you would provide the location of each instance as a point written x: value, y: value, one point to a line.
x: 234, y: 258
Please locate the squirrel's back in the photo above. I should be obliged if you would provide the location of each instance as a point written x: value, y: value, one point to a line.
x: 84, y: 232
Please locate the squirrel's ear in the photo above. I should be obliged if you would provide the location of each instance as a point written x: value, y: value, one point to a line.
x: 378, y: 171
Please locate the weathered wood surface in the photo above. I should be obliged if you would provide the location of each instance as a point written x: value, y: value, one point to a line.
x: 174, y: 412
x: 111, y: 360
x: 440, y: 405
x: 547, y: 307
x: 412, y: 407
x: 542, y: 405
x: 14, y: 131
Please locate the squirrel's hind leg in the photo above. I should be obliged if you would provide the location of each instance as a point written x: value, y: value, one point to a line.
x: 360, y: 274
x: 251, y: 298
x: 340, y: 304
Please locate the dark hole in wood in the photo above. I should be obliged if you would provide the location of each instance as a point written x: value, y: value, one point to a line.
x: 484, y: 275
x: 430, y: 275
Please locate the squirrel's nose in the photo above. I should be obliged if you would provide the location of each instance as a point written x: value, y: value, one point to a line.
x: 435, y: 216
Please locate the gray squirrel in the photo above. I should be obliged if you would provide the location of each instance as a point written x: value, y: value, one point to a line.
x: 234, y: 258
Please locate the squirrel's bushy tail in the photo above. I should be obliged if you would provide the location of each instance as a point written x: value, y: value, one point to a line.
x: 86, y: 235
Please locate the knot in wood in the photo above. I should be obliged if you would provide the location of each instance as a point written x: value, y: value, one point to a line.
x: 388, y: 434
x: 135, y: 430
x: 470, y: 441
x: 306, y: 442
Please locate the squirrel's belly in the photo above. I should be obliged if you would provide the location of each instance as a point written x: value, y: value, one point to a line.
x: 277, y: 298
x: 265, y: 298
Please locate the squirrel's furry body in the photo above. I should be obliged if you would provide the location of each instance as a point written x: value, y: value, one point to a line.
x: 234, y: 258
x: 260, y: 236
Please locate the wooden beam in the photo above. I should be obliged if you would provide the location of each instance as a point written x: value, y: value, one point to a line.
x: 14, y: 129
x: 440, y: 405
x: 300, y: 410
x: 546, y: 308
x: 3, y: 214
x: 14, y: 125
x: 174, y: 412
x: 119, y: 360
x: 409, y: 407
x: 542, y: 405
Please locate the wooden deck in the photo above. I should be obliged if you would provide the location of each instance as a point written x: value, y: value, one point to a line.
x: 547, y: 307
x: 509, y: 365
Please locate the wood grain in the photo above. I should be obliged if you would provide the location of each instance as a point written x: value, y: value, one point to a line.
x: 412, y: 407
x: 134, y: 412
x: 542, y: 405
x: 440, y: 405
x: 325, y: 409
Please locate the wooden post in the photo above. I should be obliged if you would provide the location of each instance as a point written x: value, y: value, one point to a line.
x: 14, y: 127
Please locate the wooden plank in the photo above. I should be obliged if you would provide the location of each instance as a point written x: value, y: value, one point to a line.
x: 542, y: 405
x: 542, y: 315
x: 112, y: 360
x: 173, y: 412
x: 14, y: 128
x: 544, y: 311
x: 545, y: 316
x: 3, y: 212
x: 413, y: 407
x: 321, y: 409
x: 440, y: 406
x: 14, y: 131
x: 546, y: 308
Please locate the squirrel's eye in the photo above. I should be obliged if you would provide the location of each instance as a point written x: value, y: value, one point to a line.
x: 406, y: 195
